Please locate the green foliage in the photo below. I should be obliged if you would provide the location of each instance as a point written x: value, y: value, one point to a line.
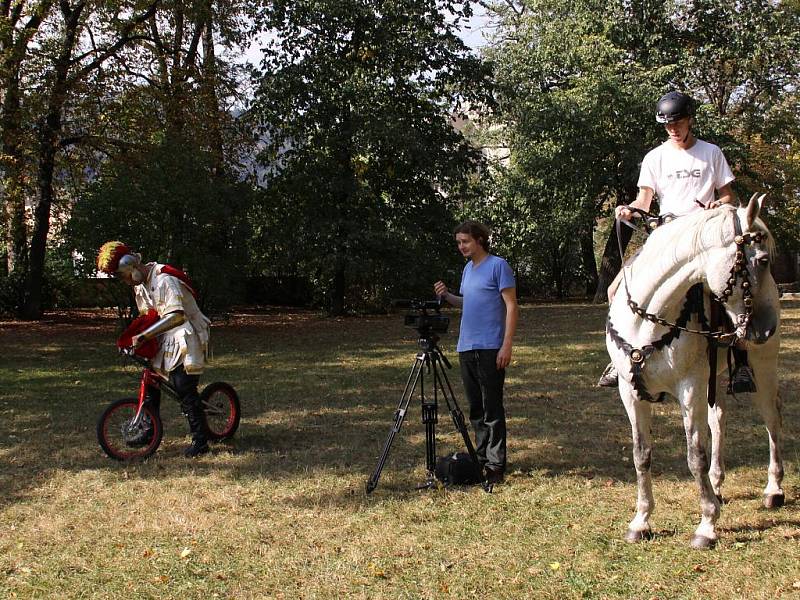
x: 12, y: 292
x: 58, y: 289
x: 577, y: 82
x: 356, y: 99
x: 167, y: 204
x: 575, y: 97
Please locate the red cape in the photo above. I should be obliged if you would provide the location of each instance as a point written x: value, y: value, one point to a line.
x: 150, y: 348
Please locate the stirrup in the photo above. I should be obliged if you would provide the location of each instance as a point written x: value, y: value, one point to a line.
x: 742, y: 381
x: 609, y: 377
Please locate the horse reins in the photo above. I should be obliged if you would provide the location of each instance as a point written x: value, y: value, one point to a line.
x: 739, y: 269
x: 637, y: 356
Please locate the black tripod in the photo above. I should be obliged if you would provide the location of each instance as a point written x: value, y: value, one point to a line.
x: 430, y: 359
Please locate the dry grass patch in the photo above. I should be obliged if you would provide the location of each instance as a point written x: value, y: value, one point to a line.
x: 281, y: 510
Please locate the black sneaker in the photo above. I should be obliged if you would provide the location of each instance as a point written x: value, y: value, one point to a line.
x: 196, y: 448
x: 609, y: 377
x: 742, y: 380
x: 494, y: 476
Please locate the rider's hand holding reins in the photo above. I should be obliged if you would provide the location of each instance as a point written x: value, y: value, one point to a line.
x: 623, y: 213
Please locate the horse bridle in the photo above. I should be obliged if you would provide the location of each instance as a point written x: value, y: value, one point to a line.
x: 739, y: 269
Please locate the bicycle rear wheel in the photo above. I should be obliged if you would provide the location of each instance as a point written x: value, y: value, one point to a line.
x: 221, y: 410
x: 122, y: 441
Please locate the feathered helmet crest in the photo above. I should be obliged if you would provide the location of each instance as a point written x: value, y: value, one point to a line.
x: 109, y: 256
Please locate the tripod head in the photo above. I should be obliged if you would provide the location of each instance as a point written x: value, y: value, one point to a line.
x: 427, y: 324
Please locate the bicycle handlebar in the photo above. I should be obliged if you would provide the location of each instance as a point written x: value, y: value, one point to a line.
x: 131, y: 354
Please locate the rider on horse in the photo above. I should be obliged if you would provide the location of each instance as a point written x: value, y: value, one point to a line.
x: 688, y: 175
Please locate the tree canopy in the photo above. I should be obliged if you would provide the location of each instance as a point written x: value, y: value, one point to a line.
x: 340, y: 159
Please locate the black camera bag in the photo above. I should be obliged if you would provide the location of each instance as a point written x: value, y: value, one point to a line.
x: 456, y: 469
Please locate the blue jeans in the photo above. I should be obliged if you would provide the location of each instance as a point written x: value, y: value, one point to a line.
x: 483, y: 386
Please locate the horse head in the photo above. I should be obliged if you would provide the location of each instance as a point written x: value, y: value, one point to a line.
x: 738, y: 273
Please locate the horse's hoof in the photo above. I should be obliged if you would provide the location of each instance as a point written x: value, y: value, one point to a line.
x: 720, y: 499
x: 773, y: 501
x: 638, y: 536
x: 701, y: 542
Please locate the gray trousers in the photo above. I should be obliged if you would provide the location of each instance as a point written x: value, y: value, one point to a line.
x: 483, y: 386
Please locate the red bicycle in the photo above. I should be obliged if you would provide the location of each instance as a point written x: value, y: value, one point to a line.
x: 131, y: 428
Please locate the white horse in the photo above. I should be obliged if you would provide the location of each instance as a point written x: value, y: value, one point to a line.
x: 653, y: 356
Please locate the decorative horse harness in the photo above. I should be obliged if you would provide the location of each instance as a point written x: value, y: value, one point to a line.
x: 693, y: 305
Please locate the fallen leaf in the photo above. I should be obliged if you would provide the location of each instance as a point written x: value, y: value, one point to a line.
x: 555, y: 566
x: 698, y: 569
x: 186, y: 552
x: 376, y: 571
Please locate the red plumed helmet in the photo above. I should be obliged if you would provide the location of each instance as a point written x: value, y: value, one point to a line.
x: 109, y: 256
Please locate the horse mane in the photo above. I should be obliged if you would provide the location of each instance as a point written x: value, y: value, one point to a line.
x: 695, y: 234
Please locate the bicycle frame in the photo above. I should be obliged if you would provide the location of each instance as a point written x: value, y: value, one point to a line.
x: 150, y: 378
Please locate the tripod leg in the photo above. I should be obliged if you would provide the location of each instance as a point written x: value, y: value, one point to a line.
x: 440, y: 378
x: 430, y: 417
x: 399, y: 416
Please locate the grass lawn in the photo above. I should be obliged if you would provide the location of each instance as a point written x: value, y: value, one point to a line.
x: 280, y: 511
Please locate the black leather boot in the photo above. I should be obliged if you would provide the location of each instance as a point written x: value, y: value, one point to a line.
x: 742, y: 379
x: 197, y: 426
x: 186, y: 386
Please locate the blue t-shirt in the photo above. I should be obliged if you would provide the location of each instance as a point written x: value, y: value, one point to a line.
x: 483, y: 317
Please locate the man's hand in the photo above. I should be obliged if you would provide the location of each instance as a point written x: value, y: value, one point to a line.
x: 503, y: 357
x: 137, y: 341
x: 623, y: 213
x: 440, y: 289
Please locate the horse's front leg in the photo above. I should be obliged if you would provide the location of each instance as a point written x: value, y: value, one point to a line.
x: 694, y: 407
x: 717, y: 422
x: 640, y: 416
x: 768, y: 401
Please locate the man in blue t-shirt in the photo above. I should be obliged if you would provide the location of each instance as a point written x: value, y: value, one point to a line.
x: 488, y: 321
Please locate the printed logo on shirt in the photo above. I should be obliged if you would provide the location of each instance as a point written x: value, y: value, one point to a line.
x: 684, y: 174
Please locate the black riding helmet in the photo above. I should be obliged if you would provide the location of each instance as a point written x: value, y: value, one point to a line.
x: 674, y: 106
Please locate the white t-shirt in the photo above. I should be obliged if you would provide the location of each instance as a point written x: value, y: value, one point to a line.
x: 186, y: 344
x: 678, y: 176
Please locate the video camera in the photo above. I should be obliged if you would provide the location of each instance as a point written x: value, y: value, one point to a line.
x: 425, y: 323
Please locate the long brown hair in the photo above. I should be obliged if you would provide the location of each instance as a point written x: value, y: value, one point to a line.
x: 477, y: 230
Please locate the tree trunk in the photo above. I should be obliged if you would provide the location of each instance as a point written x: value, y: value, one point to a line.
x: 208, y: 86
x: 16, y: 237
x: 338, y: 289
x: 587, y: 258
x: 49, y: 131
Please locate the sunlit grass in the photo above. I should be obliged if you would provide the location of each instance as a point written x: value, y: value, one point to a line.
x: 280, y: 511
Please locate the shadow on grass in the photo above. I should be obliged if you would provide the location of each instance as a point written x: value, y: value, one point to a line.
x: 319, y: 396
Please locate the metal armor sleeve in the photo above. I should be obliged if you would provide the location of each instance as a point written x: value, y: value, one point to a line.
x: 166, y: 323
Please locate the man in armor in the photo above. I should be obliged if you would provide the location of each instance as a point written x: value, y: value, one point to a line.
x: 182, y: 331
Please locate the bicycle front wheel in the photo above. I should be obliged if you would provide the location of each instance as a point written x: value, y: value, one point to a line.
x: 221, y: 410
x: 120, y: 439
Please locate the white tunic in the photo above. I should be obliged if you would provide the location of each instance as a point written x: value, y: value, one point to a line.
x: 186, y: 344
x: 679, y: 177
